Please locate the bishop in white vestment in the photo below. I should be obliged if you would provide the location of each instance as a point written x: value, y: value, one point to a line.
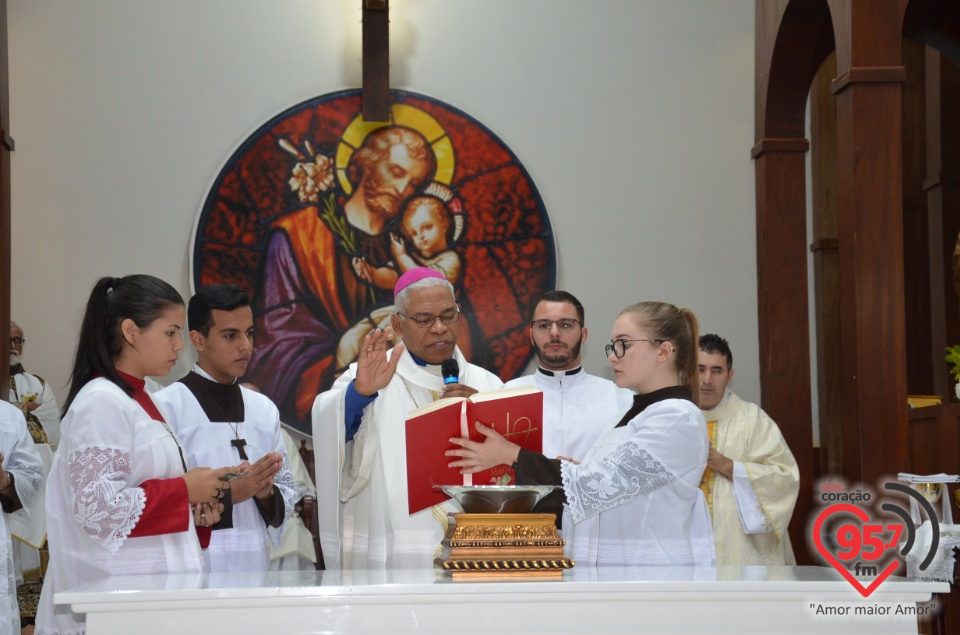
x: 359, y: 436
x: 362, y: 483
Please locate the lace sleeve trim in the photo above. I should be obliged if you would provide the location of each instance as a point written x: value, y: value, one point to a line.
x: 625, y: 474
x: 104, y: 506
x: 28, y: 481
x: 285, y: 478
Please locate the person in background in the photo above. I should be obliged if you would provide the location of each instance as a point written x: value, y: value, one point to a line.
x: 577, y: 406
x: 32, y: 394
x: 120, y: 499
x: 635, y: 499
x: 753, y: 480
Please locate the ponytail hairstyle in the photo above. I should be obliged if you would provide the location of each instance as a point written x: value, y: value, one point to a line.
x: 680, y: 328
x: 140, y: 298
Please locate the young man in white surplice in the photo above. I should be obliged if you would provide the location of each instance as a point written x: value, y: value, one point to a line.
x: 222, y: 423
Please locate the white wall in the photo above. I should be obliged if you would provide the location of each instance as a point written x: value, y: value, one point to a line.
x: 634, y: 118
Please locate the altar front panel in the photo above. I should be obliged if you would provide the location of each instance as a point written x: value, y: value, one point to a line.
x: 612, y: 600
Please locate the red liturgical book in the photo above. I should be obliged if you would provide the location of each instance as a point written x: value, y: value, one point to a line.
x: 516, y: 413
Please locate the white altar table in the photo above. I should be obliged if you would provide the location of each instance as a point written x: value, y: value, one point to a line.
x: 626, y: 600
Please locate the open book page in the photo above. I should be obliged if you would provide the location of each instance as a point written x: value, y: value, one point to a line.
x: 503, y: 393
x: 439, y: 404
x: 489, y: 395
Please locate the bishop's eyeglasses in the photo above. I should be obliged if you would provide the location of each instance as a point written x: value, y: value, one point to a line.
x: 564, y: 325
x: 426, y: 321
x: 17, y: 341
x: 619, y: 347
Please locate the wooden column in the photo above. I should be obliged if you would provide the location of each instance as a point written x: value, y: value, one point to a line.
x: 793, y: 39
x: 916, y: 259
x: 870, y: 194
x: 825, y: 246
x: 780, y: 167
x: 6, y: 146
x: 942, y: 187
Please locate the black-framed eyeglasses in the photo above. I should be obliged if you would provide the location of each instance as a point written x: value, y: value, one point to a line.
x: 619, y: 347
x: 426, y: 321
x: 17, y: 341
x: 564, y: 325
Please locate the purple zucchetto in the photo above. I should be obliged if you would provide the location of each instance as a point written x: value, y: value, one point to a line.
x: 414, y: 275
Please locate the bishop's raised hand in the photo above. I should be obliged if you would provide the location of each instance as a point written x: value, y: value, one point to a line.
x: 374, y: 369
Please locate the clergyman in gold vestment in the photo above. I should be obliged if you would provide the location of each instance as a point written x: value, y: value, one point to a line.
x: 752, y: 480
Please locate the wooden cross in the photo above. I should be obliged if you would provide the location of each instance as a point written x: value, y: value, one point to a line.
x: 376, y: 60
x: 239, y: 443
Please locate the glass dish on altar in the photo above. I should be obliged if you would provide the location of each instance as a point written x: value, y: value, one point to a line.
x: 497, y: 499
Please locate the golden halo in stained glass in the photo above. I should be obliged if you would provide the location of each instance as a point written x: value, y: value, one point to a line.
x: 405, y: 116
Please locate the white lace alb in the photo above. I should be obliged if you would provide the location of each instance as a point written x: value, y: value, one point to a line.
x: 103, y: 505
x: 627, y: 473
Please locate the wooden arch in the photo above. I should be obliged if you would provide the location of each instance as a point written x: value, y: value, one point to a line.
x: 793, y: 38
x: 865, y: 346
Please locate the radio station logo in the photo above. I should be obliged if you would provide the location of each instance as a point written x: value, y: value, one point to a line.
x: 863, y: 550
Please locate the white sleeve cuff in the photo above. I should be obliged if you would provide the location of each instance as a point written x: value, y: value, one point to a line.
x: 752, y: 518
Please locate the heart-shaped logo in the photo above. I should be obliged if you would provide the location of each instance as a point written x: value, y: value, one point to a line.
x: 872, y: 541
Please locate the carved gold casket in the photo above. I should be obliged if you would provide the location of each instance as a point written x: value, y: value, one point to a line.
x: 501, y: 546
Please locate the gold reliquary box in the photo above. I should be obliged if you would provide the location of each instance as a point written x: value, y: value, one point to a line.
x: 503, y: 547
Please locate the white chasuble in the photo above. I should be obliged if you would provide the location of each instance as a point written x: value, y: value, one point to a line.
x: 751, y: 513
x: 362, y: 484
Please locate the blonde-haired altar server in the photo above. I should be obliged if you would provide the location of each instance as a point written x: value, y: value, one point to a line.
x: 635, y: 498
